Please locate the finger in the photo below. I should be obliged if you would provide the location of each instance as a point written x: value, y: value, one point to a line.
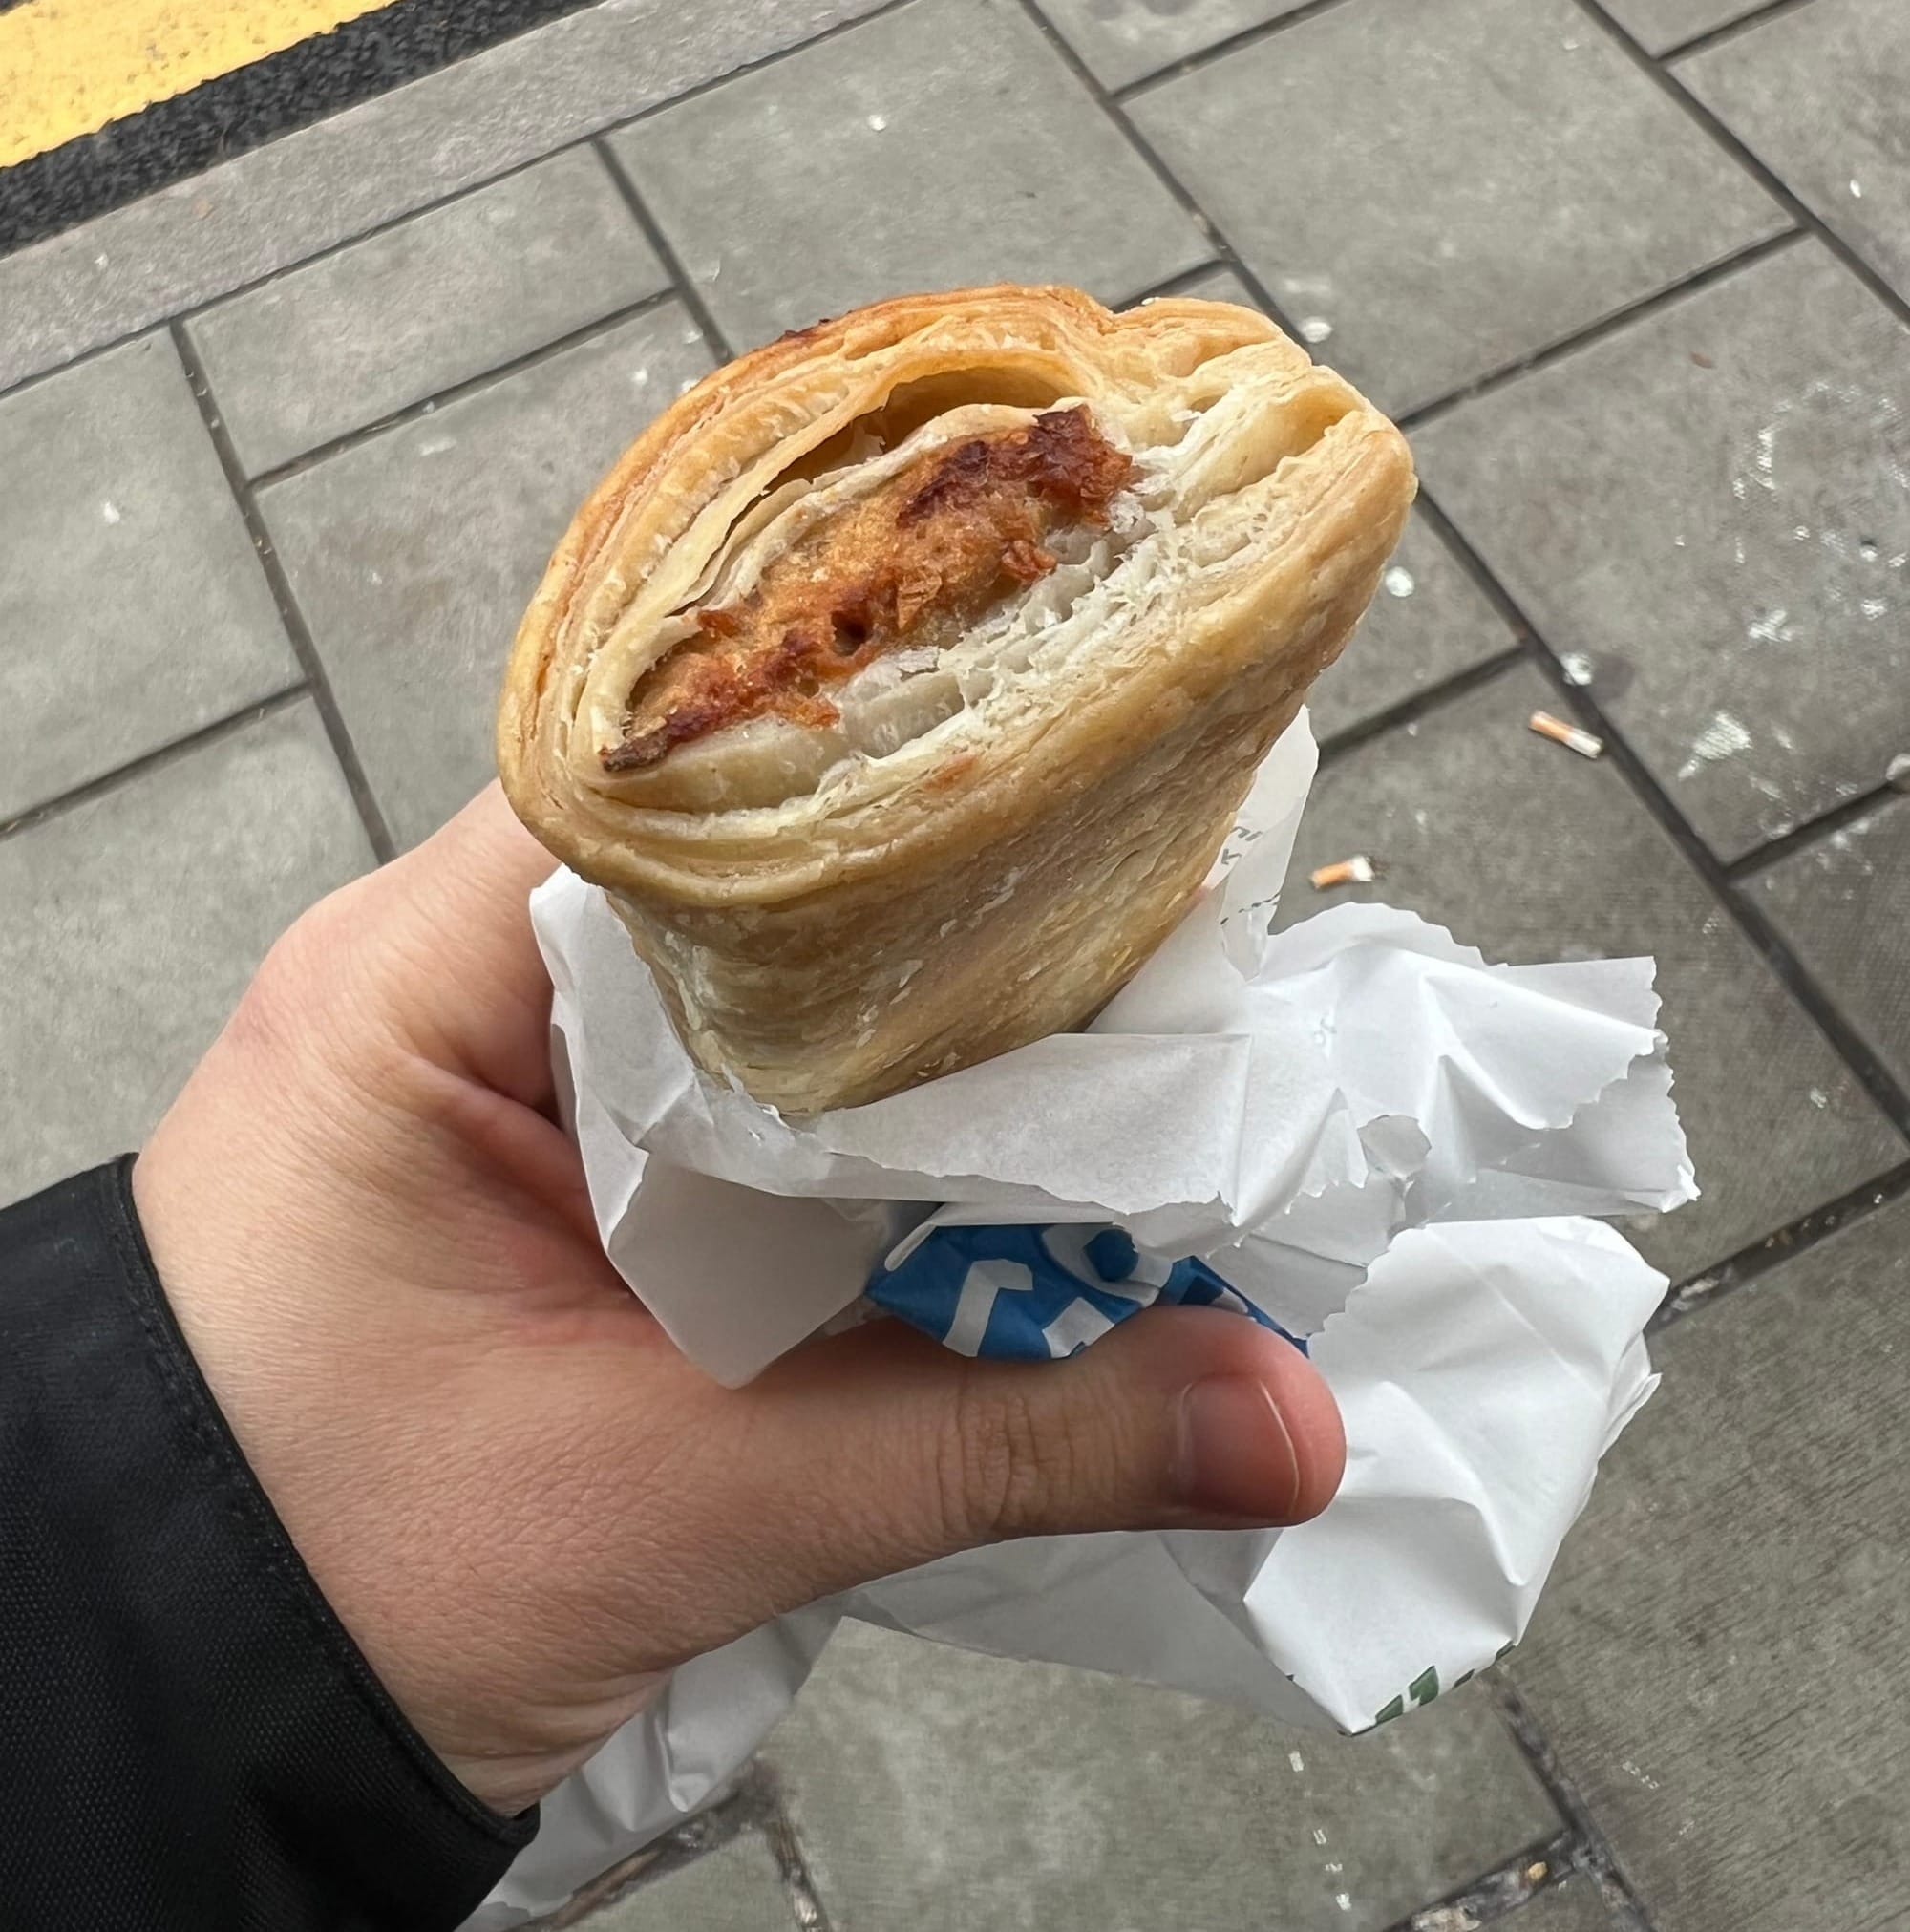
x: 449, y: 925
x: 880, y: 1449
x: 469, y: 883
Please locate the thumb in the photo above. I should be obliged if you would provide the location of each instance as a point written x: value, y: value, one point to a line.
x: 879, y: 1449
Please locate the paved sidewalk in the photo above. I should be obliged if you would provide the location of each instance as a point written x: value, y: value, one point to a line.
x: 287, y: 444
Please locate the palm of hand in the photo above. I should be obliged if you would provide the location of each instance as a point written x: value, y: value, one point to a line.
x: 522, y: 1500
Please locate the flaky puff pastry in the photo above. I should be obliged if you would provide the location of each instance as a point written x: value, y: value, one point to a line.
x: 901, y: 682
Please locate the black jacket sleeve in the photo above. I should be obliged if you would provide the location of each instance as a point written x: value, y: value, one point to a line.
x: 188, y: 1737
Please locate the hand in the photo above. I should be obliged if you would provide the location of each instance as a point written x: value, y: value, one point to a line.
x: 522, y: 1502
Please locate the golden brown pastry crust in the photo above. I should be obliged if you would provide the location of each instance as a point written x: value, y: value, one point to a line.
x: 998, y: 877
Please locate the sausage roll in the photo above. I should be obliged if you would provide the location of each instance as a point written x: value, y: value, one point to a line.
x: 901, y: 683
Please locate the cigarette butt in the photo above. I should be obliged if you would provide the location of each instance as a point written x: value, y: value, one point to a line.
x: 1569, y: 735
x: 1356, y: 871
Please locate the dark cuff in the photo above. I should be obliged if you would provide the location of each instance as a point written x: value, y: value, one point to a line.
x: 187, y: 1734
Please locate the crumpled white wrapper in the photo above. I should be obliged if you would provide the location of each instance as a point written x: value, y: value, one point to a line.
x: 1384, y: 1142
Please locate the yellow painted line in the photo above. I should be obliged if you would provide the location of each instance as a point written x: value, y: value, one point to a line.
x: 68, y: 67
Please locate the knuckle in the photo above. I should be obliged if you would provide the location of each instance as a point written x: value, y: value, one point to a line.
x: 289, y: 1010
x: 1013, y: 1467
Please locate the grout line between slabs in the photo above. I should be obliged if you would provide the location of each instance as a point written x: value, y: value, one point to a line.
x: 1580, y: 700
x: 297, y: 630
x: 1598, y: 1860
x: 1494, y: 1894
x: 1845, y: 1040
x: 1595, y: 333
x: 173, y: 316
x: 1738, y: 1270
x: 161, y: 755
x: 805, y: 1902
x: 1419, y: 704
x: 457, y: 391
x: 1177, y: 283
x: 1846, y: 812
x: 1225, y: 254
x: 435, y: 201
x: 666, y: 249
x: 751, y: 1808
x: 1716, y: 37
x: 1206, y: 56
x: 1592, y: 1852
x: 1766, y: 177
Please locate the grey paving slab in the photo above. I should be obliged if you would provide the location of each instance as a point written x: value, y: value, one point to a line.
x: 1575, y: 1906
x: 1530, y: 853
x: 950, y: 1793
x: 1124, y: 41
x: 1218, y: 284
x: 467, y: 123
x: 1818, y: 95
x: 1661, y: 25
x: 733, y: 1888
x: 943, y: 144
x: 419, y: 307
x: 133, y: 921
x: 1447, y: 185
x: 133, y: 609
x: 1718, y: 1658
x: 414, y: 553
x: 1429, y: 620
x: 1712, y: 508
x: 1843, y: 903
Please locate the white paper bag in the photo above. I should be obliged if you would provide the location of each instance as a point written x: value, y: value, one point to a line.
x: 1380, y: 1140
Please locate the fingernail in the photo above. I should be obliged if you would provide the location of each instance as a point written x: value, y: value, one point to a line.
x: 1237, y: 1459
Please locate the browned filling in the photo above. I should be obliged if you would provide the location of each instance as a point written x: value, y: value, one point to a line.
x: 916, y: 561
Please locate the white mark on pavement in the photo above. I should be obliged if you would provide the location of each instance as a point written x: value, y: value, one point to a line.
x: 1298, y: 1762
x: 1398, y: 582
x: 1770, y: 626
x: 877, y: 122
x: 1857, y: 191
x: 1766, y: 456
x: 1578, y: 667
x: 110, y: 511
x: 1315, y: 328
x: 1724, y: 738
x: 1820, y: 1099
